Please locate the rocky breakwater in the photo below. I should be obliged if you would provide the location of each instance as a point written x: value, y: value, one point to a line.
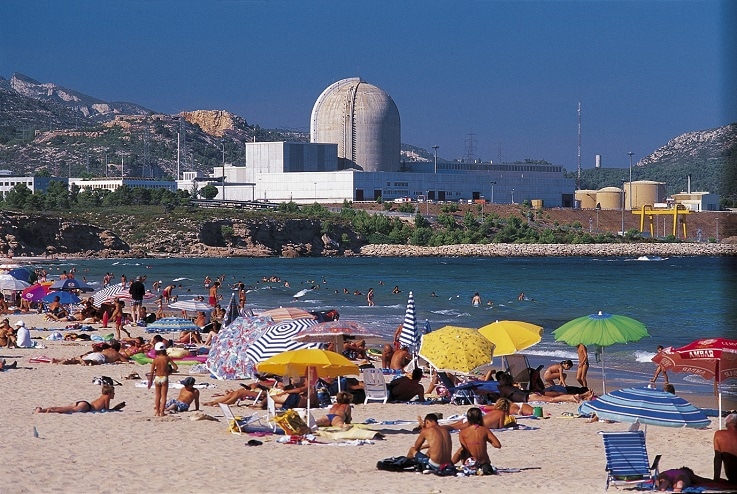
x: 25, y: 235
x: 554, y: 250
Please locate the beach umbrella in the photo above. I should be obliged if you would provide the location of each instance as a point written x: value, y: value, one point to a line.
x: 601, y: 329
x: 279, y: 338
x: 21, y: 274
x: 70, y: 284
x: 64, y: 298
x: 191, y: 305
x: 647, y: 406
x: 512, y: 336
x: 287, y: 314
x: 9, y: 283
x: 171, y: 325
x: 36, y: 292
x: 332, y: 331
x: 711, y: 358
x: 408, y: 336
x: 108, y: 293
x: 456, y: 349
x: 232, y: 311
x: 227, y: 358
x: 309, y: 362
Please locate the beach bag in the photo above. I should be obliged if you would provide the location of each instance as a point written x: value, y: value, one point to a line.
x: 397, y: 464
x: 291, y: 423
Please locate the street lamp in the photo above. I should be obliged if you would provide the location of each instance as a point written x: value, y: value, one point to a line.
x: 512, y: 196
x: 492, y: 191
x: 315, y: 184
x: 435, y: 147
x: 598, y: 208
x: 630, y: 155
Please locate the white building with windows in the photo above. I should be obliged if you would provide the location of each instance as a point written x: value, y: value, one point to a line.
x: 113, y: 184
x: 8, y: 182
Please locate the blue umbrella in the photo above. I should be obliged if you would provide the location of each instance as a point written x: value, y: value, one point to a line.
x: 20, y: 274
x: 70, y: 284
x: 646, y: 406
x: 408, y: 336
x: 171, y: 325
x: 64, y: 298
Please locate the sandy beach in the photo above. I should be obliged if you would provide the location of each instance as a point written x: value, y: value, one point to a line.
x: 132, y: 451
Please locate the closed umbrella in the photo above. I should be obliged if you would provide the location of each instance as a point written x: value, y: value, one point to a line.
x: 279, y: 338
x: 510, y: 337
x: 171, y: 325
x: 456, y: 349
x: 646, y: 406
x: 232, y: 311
x: 287, y: 314
x: 70, y: 284
x: 409, y: 337
x: 601, y: 329
x: 64, y: 298
x: 227, y: 358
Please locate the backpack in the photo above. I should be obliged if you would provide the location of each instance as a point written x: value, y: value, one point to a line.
x: 397, y: 464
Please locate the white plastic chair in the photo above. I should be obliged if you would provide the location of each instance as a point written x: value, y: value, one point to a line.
x: 374, y: 385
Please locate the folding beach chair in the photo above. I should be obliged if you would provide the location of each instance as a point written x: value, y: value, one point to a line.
x: 626, y: 459
x: 238, y: 424
x: 374, y: 385
x: 465, y: 393
x: 519, y: 367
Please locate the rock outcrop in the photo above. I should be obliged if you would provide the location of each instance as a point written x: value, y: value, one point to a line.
x: 213, y: 122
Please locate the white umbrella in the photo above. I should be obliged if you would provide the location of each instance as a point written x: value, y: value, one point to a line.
x: 191, y: 305
x: 10, y: 283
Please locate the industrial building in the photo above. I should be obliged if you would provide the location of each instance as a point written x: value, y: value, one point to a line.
x: 354, y: 155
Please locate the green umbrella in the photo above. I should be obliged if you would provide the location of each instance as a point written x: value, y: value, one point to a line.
x: 601, y: 329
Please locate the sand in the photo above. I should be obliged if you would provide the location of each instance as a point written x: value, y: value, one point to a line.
x: 133, y: 451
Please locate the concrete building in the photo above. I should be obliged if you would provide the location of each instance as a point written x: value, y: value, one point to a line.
x: 113, y: 184
x: 697, y: 201
x: 8, y: 182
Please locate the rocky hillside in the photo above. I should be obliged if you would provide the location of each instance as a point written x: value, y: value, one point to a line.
x: 698, y: 147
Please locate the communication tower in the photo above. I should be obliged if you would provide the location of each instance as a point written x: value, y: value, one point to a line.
x: 470, y: 148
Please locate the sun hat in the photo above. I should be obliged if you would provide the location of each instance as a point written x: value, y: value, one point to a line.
x: 188, y: 381
x: 160, y: 346
x: 19, y: 323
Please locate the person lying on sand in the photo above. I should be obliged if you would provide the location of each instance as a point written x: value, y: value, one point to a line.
x: 246, y: 392
x: 513, y: 393
x: 108, y: 354
x: 100, y: 404
x: 4, y: 365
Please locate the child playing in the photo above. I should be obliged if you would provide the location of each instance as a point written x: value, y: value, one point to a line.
x: 187, y: 395
x: 118, y: 318
x: 161, y: 367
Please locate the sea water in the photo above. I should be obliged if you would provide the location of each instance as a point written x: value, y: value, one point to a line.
x: 679, y: 299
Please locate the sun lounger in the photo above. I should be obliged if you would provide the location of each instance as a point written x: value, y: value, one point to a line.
x: 626, y: 459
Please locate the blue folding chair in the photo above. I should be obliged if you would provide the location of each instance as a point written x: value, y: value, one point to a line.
x: 626, y: 460
x: 463, y: 393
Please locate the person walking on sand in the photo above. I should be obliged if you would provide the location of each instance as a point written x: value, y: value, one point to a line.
x: 659, y: 369
x: 137, y: 291
x: 161, y: 368
x: 583, y: 365
x: 213, y: 300
x: 118, y: 318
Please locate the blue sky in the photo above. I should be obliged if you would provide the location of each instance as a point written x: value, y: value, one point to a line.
x: 510, y: 73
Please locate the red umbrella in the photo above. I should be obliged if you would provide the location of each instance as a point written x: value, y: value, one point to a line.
x: 710, y: 358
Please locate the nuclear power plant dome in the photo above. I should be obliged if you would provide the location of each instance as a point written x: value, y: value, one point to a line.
x: 363, y: 121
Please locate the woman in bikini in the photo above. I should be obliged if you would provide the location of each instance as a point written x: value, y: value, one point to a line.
x: 161, y: 367
x: 583, y: 365
x: 340, y: 413
x: 100, y: 404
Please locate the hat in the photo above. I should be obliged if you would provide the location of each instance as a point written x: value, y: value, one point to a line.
x: 160, y: 346
x: 19, y: 323
x: 138, y: 278
x: 188, y: 381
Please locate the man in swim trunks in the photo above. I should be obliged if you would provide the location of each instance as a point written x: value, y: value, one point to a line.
x: 187, y: 395
x: 583, y: 365
x: 100, y: 404
x: 438, y: 443
x: 725, y: 450
x: 473, y: 441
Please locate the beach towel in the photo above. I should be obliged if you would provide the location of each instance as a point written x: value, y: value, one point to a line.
x: 354, y: 432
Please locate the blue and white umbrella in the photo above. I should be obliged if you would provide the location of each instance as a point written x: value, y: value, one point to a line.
x: 408, y: 336
x: 171, y: 325
x: 232, y: 312
x: 280, y: 338
x: 646, y: 406
x: 70, y: 284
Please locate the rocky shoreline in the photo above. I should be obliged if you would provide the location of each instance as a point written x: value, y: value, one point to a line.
x: 554, y: 250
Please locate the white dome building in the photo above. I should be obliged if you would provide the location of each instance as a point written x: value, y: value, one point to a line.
x: 363, y: 121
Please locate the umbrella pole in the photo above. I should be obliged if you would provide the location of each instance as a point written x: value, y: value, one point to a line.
x: 603, y: 371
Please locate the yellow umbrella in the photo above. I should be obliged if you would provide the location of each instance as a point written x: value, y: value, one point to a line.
x: 296, y: 362
x: 512, y: 336
x: 456, y: 349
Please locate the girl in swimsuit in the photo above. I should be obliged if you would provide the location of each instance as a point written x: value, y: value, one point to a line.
x: 340, y: 413
x: 100, y: 404
x: 161, y: 367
